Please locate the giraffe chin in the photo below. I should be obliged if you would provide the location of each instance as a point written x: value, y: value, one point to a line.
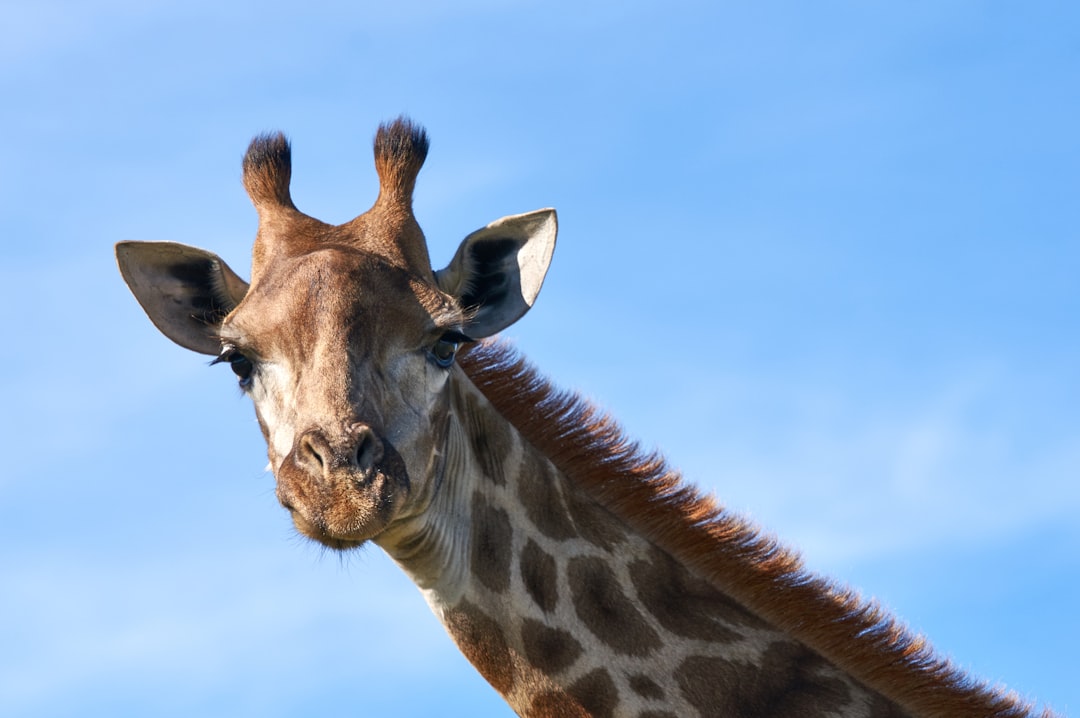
x: 315, y: 533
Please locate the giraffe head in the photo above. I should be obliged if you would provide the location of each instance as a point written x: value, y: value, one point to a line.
x: 345, y: 338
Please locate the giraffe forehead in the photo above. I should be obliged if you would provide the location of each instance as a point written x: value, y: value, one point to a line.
x: 338, y: 296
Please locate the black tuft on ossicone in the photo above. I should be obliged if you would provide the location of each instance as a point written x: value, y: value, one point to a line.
x: 401, y: 141
x: 400, y: 150
x: 268, y: 170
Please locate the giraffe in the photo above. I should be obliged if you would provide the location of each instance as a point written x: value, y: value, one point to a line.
x: 579, y: 575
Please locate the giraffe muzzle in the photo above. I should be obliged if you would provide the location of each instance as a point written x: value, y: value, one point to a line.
x: 344, y: 491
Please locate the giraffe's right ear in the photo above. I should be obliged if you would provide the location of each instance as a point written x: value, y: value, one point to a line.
x: 498, y: 270
x: 185, y: 291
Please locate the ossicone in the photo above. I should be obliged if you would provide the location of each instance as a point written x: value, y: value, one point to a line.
x: 267, y: 171
x: 400, y: 150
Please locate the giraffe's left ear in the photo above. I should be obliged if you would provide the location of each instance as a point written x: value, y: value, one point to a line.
x: 498, y: 270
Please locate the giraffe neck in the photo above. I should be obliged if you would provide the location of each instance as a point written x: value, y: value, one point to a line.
x: 582, y: 577
x: 567, y: 610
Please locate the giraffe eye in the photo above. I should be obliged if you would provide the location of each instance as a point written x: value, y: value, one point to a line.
x: 240, y: 364
x: 444, y: 351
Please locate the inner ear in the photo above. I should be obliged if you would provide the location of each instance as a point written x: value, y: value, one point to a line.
x: 497, y: 271
x: 493, y: 277
x: 187, y: 292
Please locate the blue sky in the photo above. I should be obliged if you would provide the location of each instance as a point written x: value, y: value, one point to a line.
x: 824, y: 256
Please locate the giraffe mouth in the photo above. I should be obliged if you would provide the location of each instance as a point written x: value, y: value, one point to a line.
x: 341, y: 513
x: 343, y: 507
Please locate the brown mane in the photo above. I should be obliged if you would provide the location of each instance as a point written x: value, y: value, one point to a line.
x: 856, y: 634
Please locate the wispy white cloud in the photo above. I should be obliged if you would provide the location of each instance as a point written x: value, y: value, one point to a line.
x: 850, y: 477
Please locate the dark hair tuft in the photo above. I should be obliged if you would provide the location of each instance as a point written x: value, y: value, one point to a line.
x: 400, y: 150
x: 268, y: 169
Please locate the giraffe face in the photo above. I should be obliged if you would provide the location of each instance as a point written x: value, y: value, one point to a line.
x: 346, y: 359
x: 345, y: 338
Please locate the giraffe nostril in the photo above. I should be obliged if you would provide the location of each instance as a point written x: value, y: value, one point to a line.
x: 312, y: 452
x: 368, y: 447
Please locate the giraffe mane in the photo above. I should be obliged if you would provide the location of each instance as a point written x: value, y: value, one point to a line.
x: 856, y: 634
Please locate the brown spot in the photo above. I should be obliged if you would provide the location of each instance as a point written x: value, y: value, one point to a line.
x: 596, y: 524
x: 539, y: 493
x: 646, y: 687
x: 786, y: 684
x: 539, y: 575
x: 481, y: 640
x: 549, y: 649
x: 553, y: 704
x: 490, y: 553
x: 685, y: 605
x: 596, y: 692
x: 490, y: 443
x: 606, y: 611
